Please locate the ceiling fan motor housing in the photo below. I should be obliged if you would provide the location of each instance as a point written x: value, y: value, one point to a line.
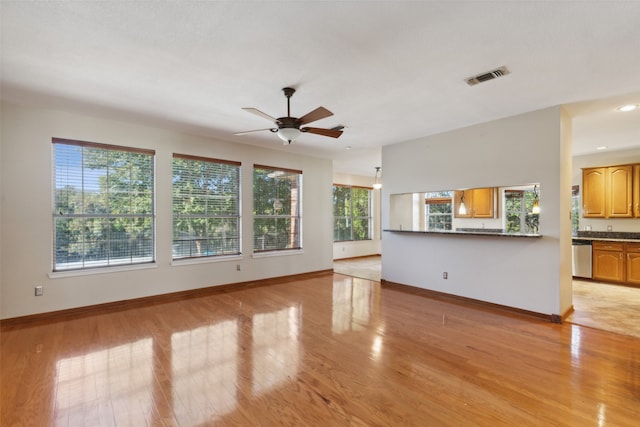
x: 288, y: 122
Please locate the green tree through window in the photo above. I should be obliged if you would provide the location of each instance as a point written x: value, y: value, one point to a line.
x: 103, y: 205
x: 351, y: 213
x: 277, y: 199
x: 206, y: 207
x: 438, y: 210
x: 518, y: 206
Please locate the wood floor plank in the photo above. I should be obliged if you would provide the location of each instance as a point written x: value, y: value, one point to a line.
x: 326, y: 350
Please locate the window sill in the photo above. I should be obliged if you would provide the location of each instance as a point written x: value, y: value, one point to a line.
x: 205, y: 260
x: 277, y: 253
x: 101, y: 270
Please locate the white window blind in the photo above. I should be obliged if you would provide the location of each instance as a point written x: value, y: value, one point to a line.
x: 277, y: 200
x: 104, y: 212
x: 206, y: 207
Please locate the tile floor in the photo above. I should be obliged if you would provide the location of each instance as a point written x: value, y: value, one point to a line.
x: 613, y: 308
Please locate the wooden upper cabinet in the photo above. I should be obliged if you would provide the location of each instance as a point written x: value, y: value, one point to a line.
x: 636, y: 191
x: 484, y: 202
x: 479, y: 202
x: 619, y: 199
x: 593, y: 192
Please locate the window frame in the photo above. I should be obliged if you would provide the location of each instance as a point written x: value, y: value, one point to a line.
x: 528, y: 221
x: 206, y: 239
x: 295, y: 218
x: 350, y: 219
x: 438, y: 200
x: 107, y: 219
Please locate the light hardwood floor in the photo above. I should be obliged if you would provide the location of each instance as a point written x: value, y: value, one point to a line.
x: 324, y: 350
x: 613, y: 308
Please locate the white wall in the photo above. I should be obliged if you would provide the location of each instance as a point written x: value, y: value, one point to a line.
x: 606, y: 158
x: 527, y: 273
x: 26, y: 214
x: 353, y: 249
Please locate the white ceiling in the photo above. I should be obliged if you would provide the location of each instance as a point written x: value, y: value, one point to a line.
x: 390, y: 71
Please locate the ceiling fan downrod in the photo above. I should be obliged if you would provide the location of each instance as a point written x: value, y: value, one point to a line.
x: 288, y: 92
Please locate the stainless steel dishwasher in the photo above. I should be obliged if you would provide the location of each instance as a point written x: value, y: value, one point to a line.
x: 581, y: 258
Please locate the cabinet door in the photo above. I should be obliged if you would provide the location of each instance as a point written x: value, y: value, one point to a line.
x: 467, y: 196
x: 608, y: 265
x: 633, y: 263
x: 483, y: 203
x: 593, y: 190
x: 636, y: 190
x: 619, y: 195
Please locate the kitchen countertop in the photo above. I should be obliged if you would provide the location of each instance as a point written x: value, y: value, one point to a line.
x: 611, y: 236
x: 475, y: 232
x: 605, y: 239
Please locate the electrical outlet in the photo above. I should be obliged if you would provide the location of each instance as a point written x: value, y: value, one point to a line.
x: 237, y: 267
x: 39, y: 291
x: 445, y: 275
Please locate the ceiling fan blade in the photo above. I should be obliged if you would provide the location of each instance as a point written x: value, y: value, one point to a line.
x: 333, y: 133
x: 317, y: 114
x: 261, y: 114
x: 251, y: 131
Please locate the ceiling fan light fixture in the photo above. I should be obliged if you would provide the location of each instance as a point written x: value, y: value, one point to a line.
x: 288, y: 134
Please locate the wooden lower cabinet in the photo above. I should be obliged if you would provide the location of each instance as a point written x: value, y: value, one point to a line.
x: 608, y: 261
x: 616, y: 262
x: 633, y: 263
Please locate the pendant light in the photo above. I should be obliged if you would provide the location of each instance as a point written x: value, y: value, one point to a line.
x: 536, y: 201
x: 462, y: 209
x: 376, y: 181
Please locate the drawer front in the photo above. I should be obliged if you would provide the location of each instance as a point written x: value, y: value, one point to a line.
x: 633, y: 248
x: 608, y: 246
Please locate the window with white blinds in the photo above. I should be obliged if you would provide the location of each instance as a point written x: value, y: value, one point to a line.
x: 352, y: 214
x: 104, y: 210
x: 206, y: 207
x: 277, y: 200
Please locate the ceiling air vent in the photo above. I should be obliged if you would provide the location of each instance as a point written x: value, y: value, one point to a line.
x: 502, y: 71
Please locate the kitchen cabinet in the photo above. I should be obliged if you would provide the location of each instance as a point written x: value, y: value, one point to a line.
x: 633, y: 263
x: 611, y: 192
x: 636, y: 191
x: 619, y: 194
x: 479, y: 203
x: 608, y: 261
x: 593, y: 192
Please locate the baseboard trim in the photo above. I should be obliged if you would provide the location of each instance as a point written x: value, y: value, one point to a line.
x: 567, y: 313
x: 72, y: 313
x: 357, y: 257
x: 442, y: 296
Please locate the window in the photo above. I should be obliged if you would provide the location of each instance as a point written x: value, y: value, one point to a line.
x: 351, y: 213
x: 438, y: 210
x: 277, y: 199
x: 104, y: 210
x: 206, y: 207
x: 575, y: 208
x: 518, y: 205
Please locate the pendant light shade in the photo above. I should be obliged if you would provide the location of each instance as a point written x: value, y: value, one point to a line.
x: 462, y: 209
x: 536, y: 201
x: 376, y: 181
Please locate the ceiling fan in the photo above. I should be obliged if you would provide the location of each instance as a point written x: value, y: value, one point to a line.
x: 288, y: 128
